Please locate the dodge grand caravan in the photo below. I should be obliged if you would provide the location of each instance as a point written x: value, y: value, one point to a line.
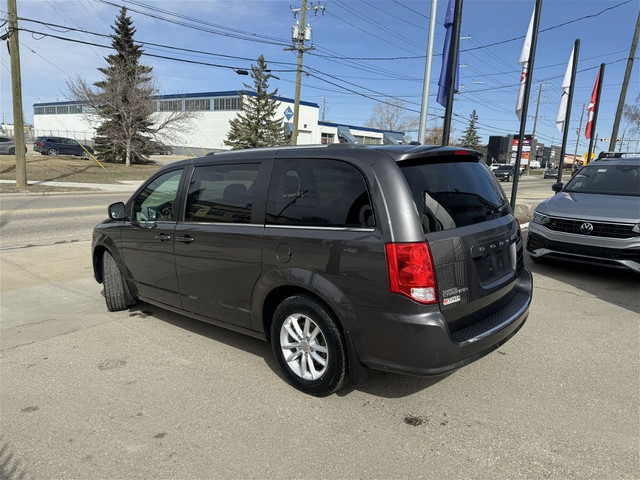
x: 345, y: 258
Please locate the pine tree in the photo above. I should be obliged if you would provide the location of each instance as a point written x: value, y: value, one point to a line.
x: 470, y: 137
x: 257, y: 126
x: 125, y: 104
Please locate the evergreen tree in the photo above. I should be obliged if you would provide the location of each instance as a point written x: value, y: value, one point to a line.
x: 124, y: 101
x: 257, y: 126
x: 470, y: 137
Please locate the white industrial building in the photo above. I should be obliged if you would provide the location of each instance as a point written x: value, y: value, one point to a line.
x: 208, y: 130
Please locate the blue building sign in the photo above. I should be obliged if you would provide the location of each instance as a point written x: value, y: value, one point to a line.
x: 288, y: 113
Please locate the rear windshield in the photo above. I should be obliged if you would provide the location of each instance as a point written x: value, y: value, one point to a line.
x: 454, y: 194
x: 606, y: 179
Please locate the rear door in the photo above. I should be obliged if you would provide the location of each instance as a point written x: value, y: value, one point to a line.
x: 474, y: 239
x: 218, y: 246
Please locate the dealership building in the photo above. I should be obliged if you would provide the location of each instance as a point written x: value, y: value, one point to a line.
x: 210, y: 125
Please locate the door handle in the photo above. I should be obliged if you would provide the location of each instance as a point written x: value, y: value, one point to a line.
x: 163, y: 237
x: 186, y: 239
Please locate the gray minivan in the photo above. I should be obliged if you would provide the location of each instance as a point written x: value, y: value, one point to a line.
x: 401, y: 258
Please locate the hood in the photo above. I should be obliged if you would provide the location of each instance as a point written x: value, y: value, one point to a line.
x: 590, y: 206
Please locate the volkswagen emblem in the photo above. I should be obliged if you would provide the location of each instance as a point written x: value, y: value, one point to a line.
x: 586, y: 228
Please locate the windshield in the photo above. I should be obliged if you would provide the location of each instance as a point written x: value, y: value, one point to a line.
x: 454, y: 194
x: 606, y: 179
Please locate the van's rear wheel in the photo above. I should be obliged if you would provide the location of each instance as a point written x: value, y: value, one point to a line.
x: 308, y: 346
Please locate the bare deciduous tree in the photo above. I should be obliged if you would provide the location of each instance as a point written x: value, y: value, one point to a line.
x: 122, y: 108
x: 392, y: 115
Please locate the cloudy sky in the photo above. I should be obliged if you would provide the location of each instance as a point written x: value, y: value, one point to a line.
x: 366, y: 50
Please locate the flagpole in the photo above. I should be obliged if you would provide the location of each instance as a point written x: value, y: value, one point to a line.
x: 525, y: 106
x: 453, y: 68
x: 427, y: 75
x: 596, y: 107
x: 567, y: 117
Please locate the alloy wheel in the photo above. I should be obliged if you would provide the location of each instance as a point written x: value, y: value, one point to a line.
x: 304, y: 346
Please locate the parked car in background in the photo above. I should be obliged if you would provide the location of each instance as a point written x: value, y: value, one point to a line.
x: 399, y: 258
x: 594, y: 218
x: 157, y: 148
x: 60, y: 146
x: 8, y: 146
x: 551, y: 172
x: 505, y: 172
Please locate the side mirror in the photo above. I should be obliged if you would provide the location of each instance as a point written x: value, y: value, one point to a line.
x: 557, y: 187
x: 117, y: 211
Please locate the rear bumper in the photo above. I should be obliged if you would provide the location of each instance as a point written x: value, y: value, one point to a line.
x: 413, y: 339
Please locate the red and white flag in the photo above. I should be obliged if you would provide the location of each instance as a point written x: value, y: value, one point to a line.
x: 592, y: 108
x: 564, y: 100
x: 524, y: 63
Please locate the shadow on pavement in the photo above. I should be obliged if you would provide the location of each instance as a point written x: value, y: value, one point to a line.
x: 380, y: 384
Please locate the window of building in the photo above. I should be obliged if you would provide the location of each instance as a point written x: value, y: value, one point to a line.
x: 222, y: 193
x: 170, y: 105
x: 75, y: 108
x: 49, y: 110
x: 327, y: 138
x: 198, y: 104
x: 319, y: 193
x: 38, y: 111
x: 62, y: 109
x: 364, y: 140
x: 227, y: 103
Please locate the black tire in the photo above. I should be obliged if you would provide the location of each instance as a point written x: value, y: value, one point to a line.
x: 114, y: 288
x: 52, y: 151
x: 321, y: 347
x: 12, y: 151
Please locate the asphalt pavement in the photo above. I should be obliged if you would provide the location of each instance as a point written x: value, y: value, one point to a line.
x: 146, y: 393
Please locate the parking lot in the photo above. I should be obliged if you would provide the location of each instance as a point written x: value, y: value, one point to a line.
x: 149, y: 394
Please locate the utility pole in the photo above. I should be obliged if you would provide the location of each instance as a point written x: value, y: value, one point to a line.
x: 625, y: 84
x: 324, y: 107
x: 535, y: 123
x: 299, y: 34
x: 16, y: 88
x: 575, y: 152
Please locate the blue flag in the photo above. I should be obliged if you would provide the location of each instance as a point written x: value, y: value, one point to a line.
x: 443, y: 85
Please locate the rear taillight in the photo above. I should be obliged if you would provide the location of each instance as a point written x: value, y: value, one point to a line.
x: 41, y: 144
x: 411, y: 271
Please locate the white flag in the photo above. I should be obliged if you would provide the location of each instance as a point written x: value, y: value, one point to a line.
x: 566, y: 85
x: 524, y: 62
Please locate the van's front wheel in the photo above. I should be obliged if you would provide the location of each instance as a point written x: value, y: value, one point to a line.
x: 308, y: 346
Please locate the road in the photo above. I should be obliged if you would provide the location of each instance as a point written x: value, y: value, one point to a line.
x: 49, y: 219
x: 145, y: 393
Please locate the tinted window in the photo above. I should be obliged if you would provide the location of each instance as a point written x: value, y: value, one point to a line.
x: 451, y: 195
x: 157, y: 200
x: 606, y: 180
x: 222, y: 193
x: 326, y: 193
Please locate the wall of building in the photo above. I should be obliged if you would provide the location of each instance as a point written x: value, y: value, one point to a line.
x: 207, y: 130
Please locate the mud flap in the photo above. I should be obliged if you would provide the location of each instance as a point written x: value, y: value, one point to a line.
x: 358, y: 373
